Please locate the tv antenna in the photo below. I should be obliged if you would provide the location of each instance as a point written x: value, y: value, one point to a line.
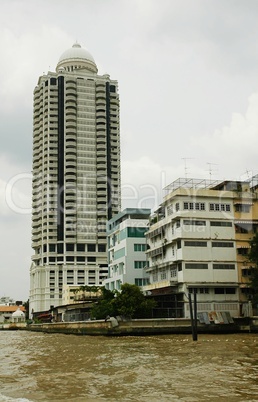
x: 211, y: 170
x: 186, y: 167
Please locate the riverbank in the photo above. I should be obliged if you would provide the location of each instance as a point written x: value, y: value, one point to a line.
x: 114, y: 327
x: 141, y: 327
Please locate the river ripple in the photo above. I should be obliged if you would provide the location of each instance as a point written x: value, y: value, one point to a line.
x: 56, y: 367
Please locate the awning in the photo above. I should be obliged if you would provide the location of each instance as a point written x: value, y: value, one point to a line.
x: 245, y: 222
x: 243, y: 203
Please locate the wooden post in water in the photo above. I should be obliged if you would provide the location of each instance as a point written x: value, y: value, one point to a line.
x: 193, y: 315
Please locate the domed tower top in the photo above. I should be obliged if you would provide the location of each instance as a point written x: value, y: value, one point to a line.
x: 75, y: 58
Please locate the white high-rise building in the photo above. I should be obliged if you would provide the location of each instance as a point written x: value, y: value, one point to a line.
x: 76, y: 176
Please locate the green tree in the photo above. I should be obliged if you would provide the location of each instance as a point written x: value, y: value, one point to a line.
x: 104, y: 306
x: 132, y: 303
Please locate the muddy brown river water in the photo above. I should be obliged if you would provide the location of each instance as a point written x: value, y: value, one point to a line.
x: 55, y: 367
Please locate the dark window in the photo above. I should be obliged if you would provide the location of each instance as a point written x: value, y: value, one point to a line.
x: 221, y: 223
x: 60, y: 248
x: 246, y: 272
x: 91, y: 247
x: 222, y: 291
x: 219, y: 291
x: 91, y: 259
x: 222, y: 244
x: 69, y: 247
x: 223, y: 266
x: 69, y: 258
x: 52, y: 248
x: 52, y: 81
x: 102, y: 248
x: 178, y: 243
x: 242, y: 251
x: 81, y: 259
x: 196, y: 266
x: 112, y: 88
x: 80, y: 247
x: 193, y: 243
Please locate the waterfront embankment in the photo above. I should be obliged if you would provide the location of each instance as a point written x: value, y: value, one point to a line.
x: 114, y: 327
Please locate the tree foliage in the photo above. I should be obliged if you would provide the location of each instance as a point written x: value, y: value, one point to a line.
x: 130, y: 303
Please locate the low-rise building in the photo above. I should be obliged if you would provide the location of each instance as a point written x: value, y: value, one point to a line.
x: 6, y: 312
x: 126, y: 248
x: 193, y: 246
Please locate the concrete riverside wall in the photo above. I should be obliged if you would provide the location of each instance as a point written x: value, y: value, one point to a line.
x: 14, y: 325
x: 137, y: 327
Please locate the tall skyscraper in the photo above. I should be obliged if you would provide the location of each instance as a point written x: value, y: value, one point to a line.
x: 76, y: 176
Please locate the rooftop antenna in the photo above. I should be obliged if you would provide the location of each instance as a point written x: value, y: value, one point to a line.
x: 186, y: 167
x: 211, y: 170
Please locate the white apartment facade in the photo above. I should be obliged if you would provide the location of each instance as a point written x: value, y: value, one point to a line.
x: 192, y: 248
x: 76, y: 176
x: 127, y: 248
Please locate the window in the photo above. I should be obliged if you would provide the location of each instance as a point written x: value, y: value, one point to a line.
x: 204, y: 290
x: 242, y: 208
x: 163, y: 274
x: 178, y: 243
x: 194, y: 223
x: 170, y: 209
x: 173, y: 272
x: 194, y: 206
x: 221, y: 223
x: 222, y: 244
x: 189, y: 265
x: 246, y: 272
x: 242, y: 251
x: 80, y: 247
x: 139, y: 264
x: 177, y: 206
x: 139, y: 247
x: 223, y: 266
x: 199, y: 290
x: 219, y: 207
x: 141, y: 281
x: 222, y: 291
x: 69, y: 247
x: 102, y: 248
x: 52, y: 248
x: 91, y: 248
x: 193, y: 243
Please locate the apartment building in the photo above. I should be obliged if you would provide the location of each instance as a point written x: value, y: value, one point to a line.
x: 76, y: 176
x: 127, y: 248
x: 195, y: 244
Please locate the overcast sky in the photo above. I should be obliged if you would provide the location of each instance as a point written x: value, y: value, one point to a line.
x: 188, y: 82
